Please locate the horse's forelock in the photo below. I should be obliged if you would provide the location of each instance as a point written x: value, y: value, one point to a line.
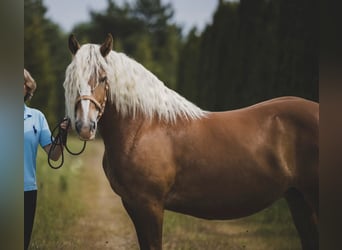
x: 86, y: 62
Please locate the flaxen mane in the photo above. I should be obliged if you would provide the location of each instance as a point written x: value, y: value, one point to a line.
x: 132, y: 87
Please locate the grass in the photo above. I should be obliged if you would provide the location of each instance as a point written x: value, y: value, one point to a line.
x: 271, y: 228
x: 62, y: 204
x: 58, y: 206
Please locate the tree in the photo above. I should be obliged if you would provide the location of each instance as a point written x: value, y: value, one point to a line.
x: 46, y: 57
x: 187, y: 81
x: 297, y: 64
x: 218, y: 59
x: 253, y: 51
x: 37, y: 58
x: 143, y: 30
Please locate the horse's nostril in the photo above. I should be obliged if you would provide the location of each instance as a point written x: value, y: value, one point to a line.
x: 78, y: 126
x: 92, y: 125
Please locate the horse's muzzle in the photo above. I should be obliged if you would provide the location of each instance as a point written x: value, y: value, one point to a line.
x: 86, y: 130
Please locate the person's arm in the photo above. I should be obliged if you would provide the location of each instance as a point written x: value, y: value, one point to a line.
x: 57, y: 151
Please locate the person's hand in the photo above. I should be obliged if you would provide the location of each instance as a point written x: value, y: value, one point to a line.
x: 64, y: 129
x: 65, y: 125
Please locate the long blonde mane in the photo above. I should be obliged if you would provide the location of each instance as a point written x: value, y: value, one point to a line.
x: 133, y: 89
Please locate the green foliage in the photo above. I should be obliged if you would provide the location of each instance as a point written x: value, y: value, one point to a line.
x: 264, y: 230
x: 142, y: 30
x: 46, y: 59
x: 188, y: 67
x: 217, y: 59
x: 253, y: 50
x: 58, y: 205
x: 37, y: 49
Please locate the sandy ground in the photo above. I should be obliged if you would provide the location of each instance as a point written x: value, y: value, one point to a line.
x: 105, y: 224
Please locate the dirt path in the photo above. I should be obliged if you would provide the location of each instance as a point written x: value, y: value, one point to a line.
x: 105, y: 224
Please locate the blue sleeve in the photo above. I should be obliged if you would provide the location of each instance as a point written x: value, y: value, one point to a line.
x: 45, y: 133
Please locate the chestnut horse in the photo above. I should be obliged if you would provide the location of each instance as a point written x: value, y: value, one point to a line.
x: 164, y: 152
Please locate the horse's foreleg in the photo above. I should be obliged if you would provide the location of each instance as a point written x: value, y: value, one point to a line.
x: 148, y: 222
x: 305, y: 218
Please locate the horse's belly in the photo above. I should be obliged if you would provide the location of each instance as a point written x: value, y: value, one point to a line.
x: 225, y: 198
x: 209, y: 208
x: 227, y: 185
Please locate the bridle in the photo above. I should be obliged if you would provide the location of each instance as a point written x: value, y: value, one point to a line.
x: 97, y: 104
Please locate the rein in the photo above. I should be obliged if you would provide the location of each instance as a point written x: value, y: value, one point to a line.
x: 60, y: 140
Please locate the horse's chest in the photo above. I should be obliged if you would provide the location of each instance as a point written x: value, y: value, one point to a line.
x: 119, y: 174
x: 113, y: 173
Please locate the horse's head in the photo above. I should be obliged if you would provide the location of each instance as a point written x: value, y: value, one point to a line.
x: 86, y: 85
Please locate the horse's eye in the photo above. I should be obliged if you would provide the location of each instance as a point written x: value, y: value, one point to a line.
x: 103, y: 79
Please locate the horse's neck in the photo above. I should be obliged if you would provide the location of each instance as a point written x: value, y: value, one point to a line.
x: 118, y: 132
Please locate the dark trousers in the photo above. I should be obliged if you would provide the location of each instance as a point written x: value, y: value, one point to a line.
x: 30, y: 200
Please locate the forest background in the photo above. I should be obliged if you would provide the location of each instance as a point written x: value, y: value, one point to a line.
x: 253, y: 50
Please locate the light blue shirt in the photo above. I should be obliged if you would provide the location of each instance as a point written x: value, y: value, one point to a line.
x: 36, y: 131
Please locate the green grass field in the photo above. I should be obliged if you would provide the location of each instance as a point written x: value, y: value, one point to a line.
x: 58, y: 203
x: 269, y: 229
x: 62, y: 204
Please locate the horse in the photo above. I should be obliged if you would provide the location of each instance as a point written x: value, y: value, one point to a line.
x: 162, y: 152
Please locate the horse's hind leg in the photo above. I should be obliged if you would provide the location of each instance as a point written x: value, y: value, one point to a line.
x: 304, y: 214
x: 148, y: 223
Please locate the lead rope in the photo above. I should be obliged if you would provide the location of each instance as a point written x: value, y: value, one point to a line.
x: 59, y: 140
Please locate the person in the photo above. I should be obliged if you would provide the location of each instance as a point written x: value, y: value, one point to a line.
x: 36, y: 132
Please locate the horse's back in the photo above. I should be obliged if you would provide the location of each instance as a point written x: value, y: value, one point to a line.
x: 301, y: 114
x: 298, y: 112
x: 291, y: 104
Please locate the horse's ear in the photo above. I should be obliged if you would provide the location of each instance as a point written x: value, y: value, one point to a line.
x: 73, y: 44
x: 107, y: 46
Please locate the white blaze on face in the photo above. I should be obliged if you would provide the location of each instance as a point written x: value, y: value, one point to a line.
x: 85, y: 105
x: 86, y: 115
x: 89, y: 113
